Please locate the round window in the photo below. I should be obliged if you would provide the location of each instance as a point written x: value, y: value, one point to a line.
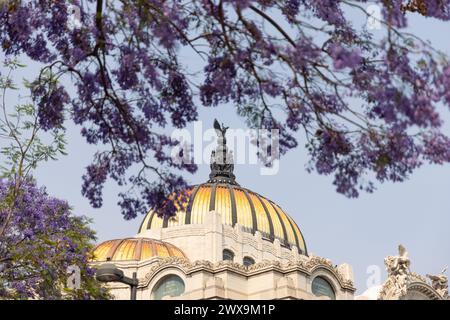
x: 171, y: 286
x: 321, y: 287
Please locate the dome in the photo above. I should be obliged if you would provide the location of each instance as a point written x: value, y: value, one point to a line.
x: 138, y: 249
x: 237, y: 205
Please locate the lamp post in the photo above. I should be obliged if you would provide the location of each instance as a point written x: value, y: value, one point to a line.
x: 108, y: 272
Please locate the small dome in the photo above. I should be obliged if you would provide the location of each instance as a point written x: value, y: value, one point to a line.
x: 237, y: 205
x: 137, y: 249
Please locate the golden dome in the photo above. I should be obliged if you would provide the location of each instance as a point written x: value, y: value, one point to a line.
x: 138, y: 249
x: 236, y: 205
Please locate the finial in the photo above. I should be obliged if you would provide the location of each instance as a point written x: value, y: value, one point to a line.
x: 221, y: 163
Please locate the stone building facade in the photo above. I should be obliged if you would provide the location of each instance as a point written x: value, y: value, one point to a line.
x: 228, y: 242
x: 194, y: 254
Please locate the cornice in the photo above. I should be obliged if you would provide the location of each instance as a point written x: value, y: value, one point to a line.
x: 306, y: 265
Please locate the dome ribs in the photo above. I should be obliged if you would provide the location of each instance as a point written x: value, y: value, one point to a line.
x: 101, y: 250
x: 147, y: 252
x: 233, y: 206
x: 135, y: 249
x: 149, y: 224
x: 285, y: 240
x: 252, y: 208
x: 187, y: 218
x: 138, y: 250
x: 269, y: 218
x: 141, y: 227
x: 292, y: 229
x: 113, y: 249
x: 301, y: 236
x: 154, y: 249
x: 170, y: 251
x: 212, y: 200
x: 236, y: 205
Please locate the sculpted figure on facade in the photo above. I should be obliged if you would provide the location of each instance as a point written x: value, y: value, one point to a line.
x: 398, y: 274
x: 440, y: 283
x: 398, y: 265
x: 402, y: 284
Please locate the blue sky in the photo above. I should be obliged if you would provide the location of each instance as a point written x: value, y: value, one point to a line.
x: 359, y: 231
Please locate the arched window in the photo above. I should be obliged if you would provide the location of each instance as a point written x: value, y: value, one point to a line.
x: 227, y: 255
x: 171, y: 285
x: 321, y: 287
x: 248, y: 261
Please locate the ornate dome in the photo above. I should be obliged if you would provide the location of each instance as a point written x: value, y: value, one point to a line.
x: 236, y: 205
x: 137, y: 249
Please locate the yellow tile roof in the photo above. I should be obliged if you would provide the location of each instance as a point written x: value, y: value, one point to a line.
x: 138, y: 249
x: 236, y: 205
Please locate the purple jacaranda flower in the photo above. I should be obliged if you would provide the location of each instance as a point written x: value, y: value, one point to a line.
x: 40, y: 239
x: 132, y: 73
x: 344, y: 58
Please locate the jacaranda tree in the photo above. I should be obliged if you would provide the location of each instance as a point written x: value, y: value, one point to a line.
x: 367, y: 105
x: 44, y: 247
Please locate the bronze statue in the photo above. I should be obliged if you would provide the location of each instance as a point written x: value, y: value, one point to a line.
x: 221, y: 163
x: 221, y: 131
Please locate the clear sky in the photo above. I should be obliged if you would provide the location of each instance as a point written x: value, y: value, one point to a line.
x: 362, y: 231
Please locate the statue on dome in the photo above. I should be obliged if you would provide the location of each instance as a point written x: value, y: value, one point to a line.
x: 221, y: 131
x: 440, y: 283
x: 221, y: 162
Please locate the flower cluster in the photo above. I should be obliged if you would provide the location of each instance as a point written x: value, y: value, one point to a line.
x: 39, y: 240
x: 335, y: 83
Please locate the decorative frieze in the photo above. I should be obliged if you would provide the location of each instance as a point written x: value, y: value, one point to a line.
x: 306, y: 265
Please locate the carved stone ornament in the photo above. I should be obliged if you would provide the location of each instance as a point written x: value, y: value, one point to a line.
x: 398, y: 271
x: 440, y: 283
x: 304, y: 264
x: 404, y: 284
